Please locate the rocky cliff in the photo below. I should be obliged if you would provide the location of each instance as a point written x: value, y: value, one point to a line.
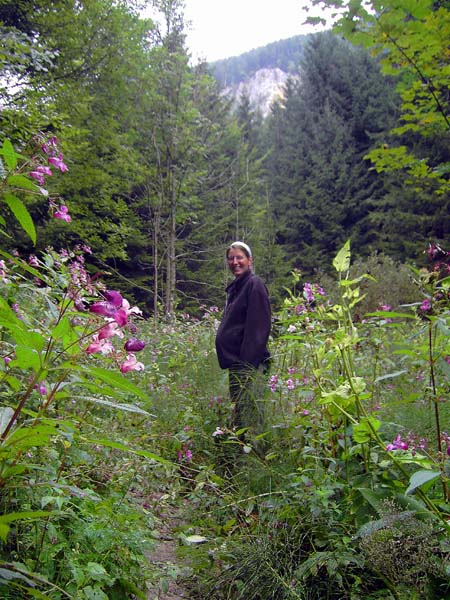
x: 262, y: 88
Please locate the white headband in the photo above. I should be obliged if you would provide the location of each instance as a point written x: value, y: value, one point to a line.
x: 240, y: 245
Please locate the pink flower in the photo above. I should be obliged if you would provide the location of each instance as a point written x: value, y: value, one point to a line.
x: 44, y: 170
x: 108, y: 331
x: 33, y: 261
x: 131, y: 364
x: 115, y: 298
x: 218, y: 431
x: 106, y: 309
x: 57, y: 161
x: 99, y: 346
x: 63, y: 214
x: 134, y: 345
x: 290, y: 384
x: 38, y: 176
x: 130, y: 311
x: 425, y: 306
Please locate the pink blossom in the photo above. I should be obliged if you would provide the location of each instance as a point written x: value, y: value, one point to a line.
x: 104, y: 308
x: 108, y: 331
x: 397, y: 444
x: 38, y: 176
x: 33, y: 261
x: 425, y: 306
x: 57, y: 161
x: 115, y: 298
x: 63, y: 214
x: 218, y: 431
x: 121, y: 317
x: 44, y: 170
x: 131, y: 364
x: 290, y: 384
x: 99, y: 346
x: 130, y: 311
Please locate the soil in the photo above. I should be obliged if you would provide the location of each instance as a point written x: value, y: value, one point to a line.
x: 164, y: 557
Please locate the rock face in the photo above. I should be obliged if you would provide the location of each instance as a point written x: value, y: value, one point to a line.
x: 262, y: 88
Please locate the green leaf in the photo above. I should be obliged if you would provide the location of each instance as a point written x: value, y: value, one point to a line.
x: 117, y: 405
x: 363, y: 431
x: 341, y: 261
x: 8, y: 153
x: 19, y: 516
x: 96, y: 593
x: 20, y: 181
x: 391, y: 375
x: 6, y: 412
x: 27, y: 358
x: 119, y: 446
x: 420, y: 478
x: 114, y: 379
x: 19, y: 210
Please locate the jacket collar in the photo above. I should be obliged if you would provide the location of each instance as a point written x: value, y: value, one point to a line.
x: 238, y: 282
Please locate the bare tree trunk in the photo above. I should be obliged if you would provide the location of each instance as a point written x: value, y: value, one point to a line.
x: 171, y: 257
x: 156, y: 231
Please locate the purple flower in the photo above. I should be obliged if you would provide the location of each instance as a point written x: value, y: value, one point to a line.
x: 44, y: 170
x: 425, y: 306
x: 397, y: 444
x: 114, y: 297
x: 38, y: 176
x: 62, y: 213
x: 106, y: 309
x: 134, y: 345
x: 57, y: 161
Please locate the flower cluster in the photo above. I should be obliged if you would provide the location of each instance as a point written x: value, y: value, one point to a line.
x: 116, y: 312
x: 410, y: 442
x: 54, y: 159
x: 445, y: 439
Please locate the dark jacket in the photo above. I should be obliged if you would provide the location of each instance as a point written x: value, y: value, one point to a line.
x: 245, y: 327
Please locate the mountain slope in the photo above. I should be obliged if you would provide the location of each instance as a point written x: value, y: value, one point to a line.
x: 261, y: 73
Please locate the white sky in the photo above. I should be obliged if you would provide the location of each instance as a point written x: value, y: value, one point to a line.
x: 224, y: 28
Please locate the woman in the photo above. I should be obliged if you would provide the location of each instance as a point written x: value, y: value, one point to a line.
x: 241, y: 340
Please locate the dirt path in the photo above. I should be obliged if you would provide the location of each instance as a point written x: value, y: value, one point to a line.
x: 163, y: 556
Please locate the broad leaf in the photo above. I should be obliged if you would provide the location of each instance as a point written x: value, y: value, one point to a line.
x: 7, y: 151
x: 19, y: 210
x: 341, y: 261
x: 420, y: 478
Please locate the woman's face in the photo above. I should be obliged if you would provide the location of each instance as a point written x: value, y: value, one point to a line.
x: 238, y: 262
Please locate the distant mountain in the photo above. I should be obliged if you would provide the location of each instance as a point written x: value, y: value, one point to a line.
x: 260, y: 73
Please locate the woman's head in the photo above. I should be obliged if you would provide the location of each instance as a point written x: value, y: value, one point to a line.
x: 239, y: 258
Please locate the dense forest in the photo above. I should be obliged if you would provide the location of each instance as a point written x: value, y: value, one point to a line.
x: 162, y: 174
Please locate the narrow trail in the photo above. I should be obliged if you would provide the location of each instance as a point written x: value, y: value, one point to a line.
x: 163, y: 556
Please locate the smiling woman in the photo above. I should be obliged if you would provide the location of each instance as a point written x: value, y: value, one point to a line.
x: 241, y: 340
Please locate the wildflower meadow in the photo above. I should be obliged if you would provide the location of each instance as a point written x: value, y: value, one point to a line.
x: 114, y: 427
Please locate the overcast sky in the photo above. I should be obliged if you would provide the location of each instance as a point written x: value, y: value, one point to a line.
x: 224, y: 28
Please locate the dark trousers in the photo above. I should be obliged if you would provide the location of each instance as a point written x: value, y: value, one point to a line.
x: 247, y: 391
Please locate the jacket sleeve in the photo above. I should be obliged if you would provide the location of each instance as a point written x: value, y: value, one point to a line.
x: 257, y: 325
